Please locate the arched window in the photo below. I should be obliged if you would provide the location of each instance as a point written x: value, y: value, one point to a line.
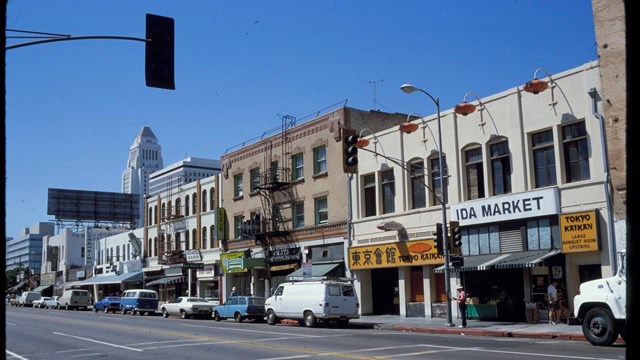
x: 187, y: 246
x: 214, y: 243
x: 178, y: 245
x: 164, y: 211
x: 169, y: 208
x: 204, y: 237
x: 194, y: 238
x: 212, y: 196
x: 194, y: 201
x: 186, y: 205
x: 150, y: 216
x: 204, y: 200
x: 178, y: 206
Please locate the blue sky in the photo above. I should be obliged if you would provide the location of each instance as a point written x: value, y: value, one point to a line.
x: 73, y: 108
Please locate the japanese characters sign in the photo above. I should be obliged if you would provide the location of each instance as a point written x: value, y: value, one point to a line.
x: 409, y: 253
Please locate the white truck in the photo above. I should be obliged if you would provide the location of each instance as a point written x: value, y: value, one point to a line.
x: 601, y: 306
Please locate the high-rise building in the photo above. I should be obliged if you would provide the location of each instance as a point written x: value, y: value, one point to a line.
x: 145, y: 157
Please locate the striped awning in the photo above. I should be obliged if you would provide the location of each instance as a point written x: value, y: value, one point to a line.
x: 525, y: 259
x: 166, y: 280
x: 476, y: 263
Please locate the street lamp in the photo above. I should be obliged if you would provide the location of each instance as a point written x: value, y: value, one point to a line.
x: 408, y: 88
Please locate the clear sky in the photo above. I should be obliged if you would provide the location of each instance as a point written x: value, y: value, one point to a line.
x: 73, y: 108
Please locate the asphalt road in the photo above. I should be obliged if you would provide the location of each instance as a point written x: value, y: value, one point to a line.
x: 58, y: 334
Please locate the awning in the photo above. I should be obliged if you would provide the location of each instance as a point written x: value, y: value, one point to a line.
x: 42, y: 288
x: 17, y: 287
x: 476, y: 262
x: 112, y: 279
x: 317, y: 270
x: 283, y: 267
x: 166, y: 280
x: 525, y: 259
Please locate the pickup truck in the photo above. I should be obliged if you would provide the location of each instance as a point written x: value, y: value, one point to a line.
x: 186, y: 307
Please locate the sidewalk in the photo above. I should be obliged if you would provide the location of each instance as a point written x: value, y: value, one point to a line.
x: 474, y: 327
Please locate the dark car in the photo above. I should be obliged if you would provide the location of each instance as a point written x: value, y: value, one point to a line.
x: 108, y: 303
x: 240, y: 308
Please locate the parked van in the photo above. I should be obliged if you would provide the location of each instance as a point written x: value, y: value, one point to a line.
x: 76, y: 299
x: 139, y: 301
x: 27, y: 298
x: 312, y: 301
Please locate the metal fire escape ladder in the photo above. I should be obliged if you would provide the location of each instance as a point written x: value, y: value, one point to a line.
x: 276, y: 191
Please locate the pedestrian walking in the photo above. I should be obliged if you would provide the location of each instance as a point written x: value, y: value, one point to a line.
x: 462, y: 305
x: 552, y: 294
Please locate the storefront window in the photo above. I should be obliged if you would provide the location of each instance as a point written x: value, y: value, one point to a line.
x: 539, y: 234
x: 481, y: 240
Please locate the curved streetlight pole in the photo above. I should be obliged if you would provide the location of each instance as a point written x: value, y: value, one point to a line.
x: 408, y: 89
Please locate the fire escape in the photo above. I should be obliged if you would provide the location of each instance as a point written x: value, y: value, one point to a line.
x: 276, y: 191
x: 172, y: 223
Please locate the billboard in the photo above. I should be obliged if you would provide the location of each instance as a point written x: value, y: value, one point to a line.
x: 97, y: 206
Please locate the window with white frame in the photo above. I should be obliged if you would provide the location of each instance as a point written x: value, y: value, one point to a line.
x: 237, y: 185
x: 369, y: 194
x: 321, y: 210
x: 539, y: 234
x: 544, y: 162
x: 576, y: 152
x: 388, y: 187
x: 319, y: 160
x: 500, y: 167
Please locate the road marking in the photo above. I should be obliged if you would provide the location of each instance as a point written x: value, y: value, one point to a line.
x: 16, y: 355
x: 255, y: 331
x: 98, y: 342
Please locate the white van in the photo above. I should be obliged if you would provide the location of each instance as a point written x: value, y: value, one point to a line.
x: 312, y: 301
x: 75, y: 299
x: 27, y: 298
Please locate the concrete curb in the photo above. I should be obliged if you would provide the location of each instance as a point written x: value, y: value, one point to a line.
x: 487, y: 332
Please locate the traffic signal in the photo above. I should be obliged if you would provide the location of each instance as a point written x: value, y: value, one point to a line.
x: 456, y: 237
x: 439, y: 239
x: 457, y: 262
x: 350, y: 151
x: 159, y: 52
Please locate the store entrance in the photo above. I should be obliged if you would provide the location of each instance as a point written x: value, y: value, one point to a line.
x: 385, y: 292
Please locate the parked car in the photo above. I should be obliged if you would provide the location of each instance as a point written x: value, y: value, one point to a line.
x: 40, y: 303
x: 52, y: 303
x: 75, y: 299
x: 107, y: 303
x: 240, y: 308
x: 139, y: 301
x: 186, y: 307
x: 310, y: 302
x: 28, y: 297
x: 14, y: 300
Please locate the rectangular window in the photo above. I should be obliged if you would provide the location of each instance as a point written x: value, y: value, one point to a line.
x: 297, y: 166
x: 237, y: 226
x: 500, y: 168
x: 319, y: 160
x: 436, y: 194
x: 388, y: 187
x: 475, y: 174
x: 369, y: 189
x: 237, y: 186
x: 576, y: 152
x: 254, y: 179
x: 298, y: 215
x: 418, y: 190
x: 539, y: 234
x: 275, y: 172
x: 322, y: 210
x: 544, y: 161
x: 480, y: 240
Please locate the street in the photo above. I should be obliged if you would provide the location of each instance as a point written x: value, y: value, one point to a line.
x: 45, y: 334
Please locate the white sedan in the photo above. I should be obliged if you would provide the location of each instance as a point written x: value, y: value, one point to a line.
x: 40, y: 303
x: 186, y: 307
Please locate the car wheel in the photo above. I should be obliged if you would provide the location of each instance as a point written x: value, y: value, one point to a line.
x: 95, y: 309
x: 216, y: 316
x: 599, y: 327
x: 309, y: 319
x: 123, y: 311
x: 183, y: 314
x: 134, y: 311
x: 237, y: 317
x: 272, y: 319
x: 165, y: 314
x: 106, y: 310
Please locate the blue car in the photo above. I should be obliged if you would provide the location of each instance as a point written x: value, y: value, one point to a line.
x: 108, y: 303
x: 240, y: 308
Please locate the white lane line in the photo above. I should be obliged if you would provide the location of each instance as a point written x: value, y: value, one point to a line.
x: 259, y: 332
x: 16, y: 355
x: 98, y: 342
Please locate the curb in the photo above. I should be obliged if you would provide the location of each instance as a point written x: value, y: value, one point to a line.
x: 484, y: 332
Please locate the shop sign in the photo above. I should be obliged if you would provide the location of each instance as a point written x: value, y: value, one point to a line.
x: 283, y: 255
x: 233, y: 262
x: 193, y: 255
x: 390, y: 225
x: 507, y: 207
x: 220, y: 221
x: 409, y: 253
x: 579, y: 232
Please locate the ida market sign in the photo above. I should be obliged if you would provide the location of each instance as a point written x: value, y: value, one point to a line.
x: 508, y: 207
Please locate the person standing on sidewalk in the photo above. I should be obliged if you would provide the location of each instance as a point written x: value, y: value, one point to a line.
x: 462, y: 305
x: 552, y: 294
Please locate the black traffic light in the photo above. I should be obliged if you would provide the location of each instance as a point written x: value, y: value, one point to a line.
x: 457, y: 262
x: 439, y: 239
x: 456, y: 237
x: 159, y: 52
x: 350, y: 151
